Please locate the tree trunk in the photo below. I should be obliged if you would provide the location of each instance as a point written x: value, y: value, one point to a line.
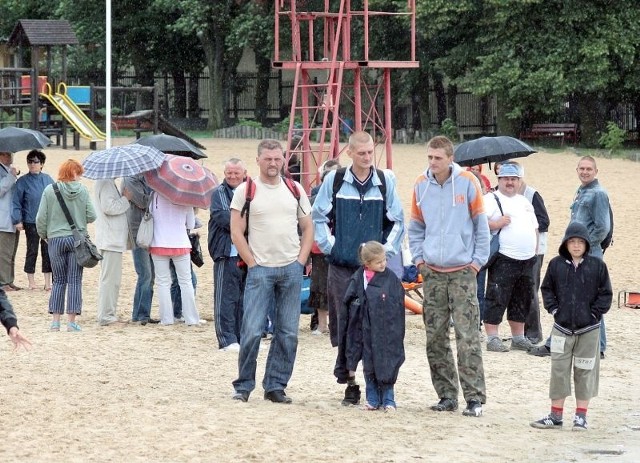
x: 192, y: 95
x: 421, y: 102
x: 504, y: 125
x: 262, y: 88
x: 452, y: 97
x: 592, y: 114
x: 441, y: 97
x: 144, y: 100
x: 212, y: 45
x: 179, y: 93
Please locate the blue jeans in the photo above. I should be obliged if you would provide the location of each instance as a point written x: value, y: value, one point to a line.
x: 379, y: 395
x: 176, y: 299
x: 144, y: 286
x: 263, y: 284
x: 271, y: 316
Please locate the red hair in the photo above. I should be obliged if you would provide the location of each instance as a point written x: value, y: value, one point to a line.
x: 69, y: 170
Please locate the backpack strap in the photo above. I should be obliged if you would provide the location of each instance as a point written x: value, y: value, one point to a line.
x: 250, y: 193
x: 383, y: 187
x: 499, y: 207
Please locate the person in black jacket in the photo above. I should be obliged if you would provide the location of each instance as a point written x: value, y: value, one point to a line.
x: 374, y: 328
x: 10, y: 322
x: 576, y: 290
x: 228, y: 289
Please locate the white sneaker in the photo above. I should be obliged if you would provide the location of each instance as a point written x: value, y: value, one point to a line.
x: 179, y: 320
x: 235, y: 347
x: 202, y: 322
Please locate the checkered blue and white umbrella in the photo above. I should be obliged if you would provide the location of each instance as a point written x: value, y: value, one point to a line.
x: 122, y: 161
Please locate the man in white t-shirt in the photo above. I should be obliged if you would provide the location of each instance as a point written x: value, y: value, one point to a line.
x: 510, y: 280
x: 268, y: 242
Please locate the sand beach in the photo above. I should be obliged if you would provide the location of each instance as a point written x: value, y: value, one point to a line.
x: 163, y: 394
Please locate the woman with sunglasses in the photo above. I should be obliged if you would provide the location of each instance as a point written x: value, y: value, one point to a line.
x: 26, y: 200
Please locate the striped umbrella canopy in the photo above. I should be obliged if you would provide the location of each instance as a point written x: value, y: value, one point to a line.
x: 183, y: 181
x: 122, y: 161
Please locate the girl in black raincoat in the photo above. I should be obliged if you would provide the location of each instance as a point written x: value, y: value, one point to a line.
x: 374, y: 325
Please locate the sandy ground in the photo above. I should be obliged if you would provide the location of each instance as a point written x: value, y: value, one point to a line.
x: 150, y: 393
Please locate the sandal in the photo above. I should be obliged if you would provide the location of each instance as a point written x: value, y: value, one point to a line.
x: 55, y: 326
x: 73, y: 326
x: 46, y: 288
x: 369, y: 408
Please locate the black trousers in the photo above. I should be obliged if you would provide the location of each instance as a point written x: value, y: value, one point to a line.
x: 509, y: 287
x: 33, y: 240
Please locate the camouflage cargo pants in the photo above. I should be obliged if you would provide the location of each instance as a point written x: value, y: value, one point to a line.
x: 453, y: 295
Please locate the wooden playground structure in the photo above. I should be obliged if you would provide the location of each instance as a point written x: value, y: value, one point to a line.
x: 40, y: 102
x: 340, y: 85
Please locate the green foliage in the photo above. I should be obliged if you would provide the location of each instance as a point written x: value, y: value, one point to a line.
x: 449, y: 129
x: 283, y: 125
x: 613, y: 138
x: 249, y: 123
x: 115, y: 111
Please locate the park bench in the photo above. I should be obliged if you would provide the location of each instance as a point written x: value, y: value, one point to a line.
x: 563, y: 131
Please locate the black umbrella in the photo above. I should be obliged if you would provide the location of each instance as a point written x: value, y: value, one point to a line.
x: 172, y: 145
x: 490, y: 149
x: 14, y: 139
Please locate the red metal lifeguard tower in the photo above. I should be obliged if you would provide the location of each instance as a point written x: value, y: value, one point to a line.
x: 333, y: 89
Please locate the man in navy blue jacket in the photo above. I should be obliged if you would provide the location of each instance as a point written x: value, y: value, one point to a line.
x: 228, y: 278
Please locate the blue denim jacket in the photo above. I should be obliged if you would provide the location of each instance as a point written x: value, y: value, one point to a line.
x: 591, y: 208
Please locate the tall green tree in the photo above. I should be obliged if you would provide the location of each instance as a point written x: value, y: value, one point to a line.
x: 538, y: 55
x: 211, y: 22
x: 254, y: 28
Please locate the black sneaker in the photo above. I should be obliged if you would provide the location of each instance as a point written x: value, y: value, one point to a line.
x: 445, y: 405
x: 242, y: 396
x: 540, y: 351
x: 547, y: 422
x: 351, y: 395
x: 474, y: 408
x: 279, y: 397
x: 579, y: 423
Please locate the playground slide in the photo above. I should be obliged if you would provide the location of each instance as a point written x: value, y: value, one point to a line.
x: 74, y: 115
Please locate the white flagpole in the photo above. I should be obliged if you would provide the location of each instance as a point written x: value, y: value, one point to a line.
x: 108, y: 75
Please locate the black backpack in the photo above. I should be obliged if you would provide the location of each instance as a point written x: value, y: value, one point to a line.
x: 608, y: 240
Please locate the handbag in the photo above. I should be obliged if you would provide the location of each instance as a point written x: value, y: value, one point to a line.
x: 494, y: 245
x: 196, y: 250
x: 87, y: 254
x: 145, y: 231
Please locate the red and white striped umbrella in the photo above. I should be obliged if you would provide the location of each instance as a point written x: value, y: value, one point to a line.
x: 183, y: 181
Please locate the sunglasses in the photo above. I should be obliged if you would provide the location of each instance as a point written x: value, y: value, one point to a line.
x: 33, y: 161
